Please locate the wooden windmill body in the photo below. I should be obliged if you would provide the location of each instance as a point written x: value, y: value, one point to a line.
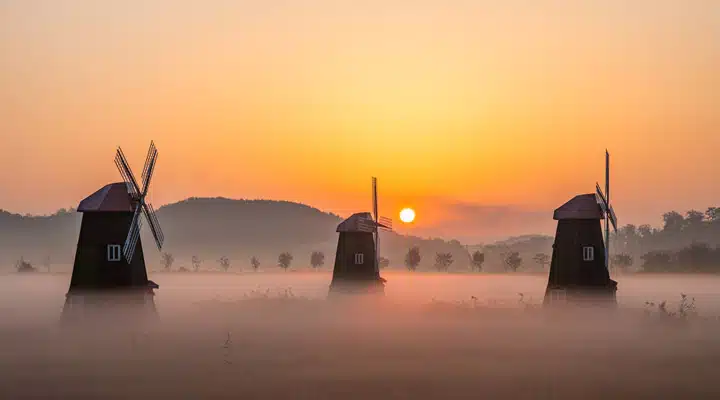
x: 579, y: 270
x: 109, y: 267
x: 356, y: 267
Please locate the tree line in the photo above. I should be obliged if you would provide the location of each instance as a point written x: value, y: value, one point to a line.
x: 685, y: 243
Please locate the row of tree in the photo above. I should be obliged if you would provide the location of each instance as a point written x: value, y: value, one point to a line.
x: 678, y: 231
x: 512, y: 260
x: 443, y: 261
x: 697, y: 257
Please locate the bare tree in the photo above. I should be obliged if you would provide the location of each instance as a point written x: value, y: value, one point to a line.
x: 24, y: 266
x: 317, y: 259
x: 196, y: 263
x: 167, y: 260
x: 443, y: 261
x: 284, y: 260
x: 224, y: 263
x: 254, y: 263
x: 513, y: 261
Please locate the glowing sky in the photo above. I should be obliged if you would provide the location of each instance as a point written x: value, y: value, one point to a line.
x: 457, y: 106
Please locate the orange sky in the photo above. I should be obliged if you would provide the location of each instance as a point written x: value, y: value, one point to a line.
x: 455, y: 105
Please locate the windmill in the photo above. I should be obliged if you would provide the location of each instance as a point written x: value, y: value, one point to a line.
x: 580, y: 259
x: 604, y: 201
x: 357, y: 261
x: 109, y: 252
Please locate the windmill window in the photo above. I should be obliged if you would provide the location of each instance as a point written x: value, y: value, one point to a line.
x: 359, y: 258
x: 588, y: 253
x: 113, y: 252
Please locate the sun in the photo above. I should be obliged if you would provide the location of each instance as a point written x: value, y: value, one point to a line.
x: 407, y: 215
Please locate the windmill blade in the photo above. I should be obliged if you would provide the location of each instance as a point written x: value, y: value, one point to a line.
x: 600, y: 195
x: 133, y: 236
x: 375, y: 198
x: 149, y: 168
x: 126, y: 172
x: 613, y: 218
x: 386, y: 223
x: 151, y: 150
x: 152, y: 220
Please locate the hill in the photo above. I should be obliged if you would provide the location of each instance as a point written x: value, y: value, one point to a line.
x: 211, y: 228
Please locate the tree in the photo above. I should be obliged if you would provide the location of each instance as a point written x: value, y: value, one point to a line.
x: 383, y: 262
x: 542, y: 260
x: 477, y: 260
x: 443, y: 261
x: 412, y: 258
x: 645, y: 231
x: 513, y: 261
x: 254, y: 263
x: 657, y: 261
x: 694, y: 218
x: 224, y: 263
x: 24, y: 266
x: 673, y: 221
x: 167, y: 260
x: 284, y: 260
x: 622, y: 261
x: 196, y: 263
x: 317, y: 259
x: 713, y: 214
x: 698, y: 257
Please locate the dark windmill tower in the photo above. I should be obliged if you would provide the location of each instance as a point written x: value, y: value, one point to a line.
x: 579, y: 270
x: 109, y: 263
x: 357, y: 258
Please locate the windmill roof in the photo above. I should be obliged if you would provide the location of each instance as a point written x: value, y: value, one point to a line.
x: 582, y: 206
x: 358, y: 222
x: 111, y: 198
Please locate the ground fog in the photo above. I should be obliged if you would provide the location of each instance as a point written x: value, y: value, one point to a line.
x: 433, y: 336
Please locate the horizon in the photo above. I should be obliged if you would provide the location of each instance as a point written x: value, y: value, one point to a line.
x: 482, y: 117
x: 467, y: 240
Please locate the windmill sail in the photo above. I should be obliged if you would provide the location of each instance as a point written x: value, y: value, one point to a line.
x: 603, y: 200
x: 149, y: 167
x: 126, y: 173
x: 141, y: 206
x: 154, y: 224
x: 385, y: 223
x: 132, y: 237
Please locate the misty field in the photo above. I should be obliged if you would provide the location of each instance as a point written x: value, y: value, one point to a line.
x: 273, y: 335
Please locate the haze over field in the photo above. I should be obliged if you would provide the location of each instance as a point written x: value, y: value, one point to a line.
x: 211, y: 343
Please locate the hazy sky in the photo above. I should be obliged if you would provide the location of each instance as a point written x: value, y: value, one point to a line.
x: 470, y: 111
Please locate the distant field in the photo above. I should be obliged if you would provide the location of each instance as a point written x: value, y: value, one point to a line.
x: 213, y: 342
